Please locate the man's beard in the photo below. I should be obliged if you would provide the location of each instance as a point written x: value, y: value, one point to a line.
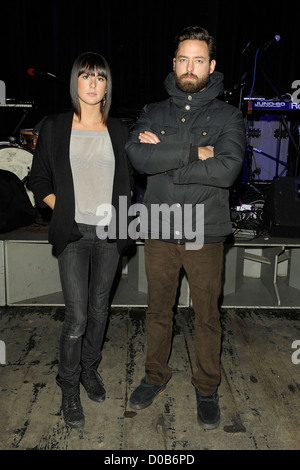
x: 191, y: 87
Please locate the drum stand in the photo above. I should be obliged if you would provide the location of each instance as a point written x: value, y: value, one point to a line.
x: 18, y: 126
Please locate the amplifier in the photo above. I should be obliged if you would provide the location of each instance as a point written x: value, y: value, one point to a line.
x: 281, y: 213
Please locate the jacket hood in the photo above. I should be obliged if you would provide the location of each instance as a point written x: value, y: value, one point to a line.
x: 213, y: 89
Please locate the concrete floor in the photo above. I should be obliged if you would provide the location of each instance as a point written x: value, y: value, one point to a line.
x: 259, y: 393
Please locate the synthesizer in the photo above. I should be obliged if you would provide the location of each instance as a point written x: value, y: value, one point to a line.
x: 271, y: 106
x: 17, y: 105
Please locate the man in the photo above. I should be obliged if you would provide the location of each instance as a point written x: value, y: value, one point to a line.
x: 191, y: 146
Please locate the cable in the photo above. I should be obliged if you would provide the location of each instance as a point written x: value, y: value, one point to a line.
x: 254, y: 72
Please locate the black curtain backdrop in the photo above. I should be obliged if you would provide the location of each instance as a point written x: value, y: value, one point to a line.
x: 136, y: 37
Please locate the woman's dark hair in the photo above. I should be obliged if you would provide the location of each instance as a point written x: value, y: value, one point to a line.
x: 196, y: 32
x: 91, y: 62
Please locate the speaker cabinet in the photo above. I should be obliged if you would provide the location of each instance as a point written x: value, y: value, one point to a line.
x: 282, y: 207
x: 269, y: 144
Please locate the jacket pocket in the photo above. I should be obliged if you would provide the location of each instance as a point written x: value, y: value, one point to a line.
x: 203, y: 136
x: 165, y: 133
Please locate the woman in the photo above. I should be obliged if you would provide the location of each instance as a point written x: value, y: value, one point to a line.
x: 80, y: 166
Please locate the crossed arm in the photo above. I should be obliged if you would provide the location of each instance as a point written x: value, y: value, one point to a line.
x: 148, y: 137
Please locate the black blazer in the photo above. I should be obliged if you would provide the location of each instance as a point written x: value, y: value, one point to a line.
x: 51, y: 173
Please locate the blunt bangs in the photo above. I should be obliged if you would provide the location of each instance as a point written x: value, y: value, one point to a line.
x: 92, y: 71
x: 89, y: 67
x: 91, y: 63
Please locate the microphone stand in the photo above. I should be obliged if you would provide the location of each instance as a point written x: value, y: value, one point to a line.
x: 278, y: 95
x: 254, y: 149
x: 45, y: 74
x: 25, y: 113
x: 55, y: 77
x: 242, y: 86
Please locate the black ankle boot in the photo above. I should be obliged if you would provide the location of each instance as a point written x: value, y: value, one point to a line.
x: 71, y: 405
x: 72, y: 409
x: 92, y: 382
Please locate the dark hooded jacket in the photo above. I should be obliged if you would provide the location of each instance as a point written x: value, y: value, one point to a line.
x: 176, y: 177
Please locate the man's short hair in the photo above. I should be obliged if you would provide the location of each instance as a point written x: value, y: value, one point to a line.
x: 196, y: 32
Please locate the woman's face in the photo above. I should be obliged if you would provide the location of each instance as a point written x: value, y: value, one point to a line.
x: 91, y: 88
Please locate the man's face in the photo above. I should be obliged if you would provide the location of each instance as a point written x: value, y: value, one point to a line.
x: 192, y: 66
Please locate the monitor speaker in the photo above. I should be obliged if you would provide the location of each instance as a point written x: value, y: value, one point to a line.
x: 281, y: 212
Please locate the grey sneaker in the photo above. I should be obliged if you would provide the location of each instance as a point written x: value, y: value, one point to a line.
x: 208, y: 410
x: 144, y: 395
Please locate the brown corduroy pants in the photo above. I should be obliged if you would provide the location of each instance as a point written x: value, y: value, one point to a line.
x: 204, y: 267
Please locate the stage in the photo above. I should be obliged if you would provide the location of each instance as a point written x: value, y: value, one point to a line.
x: 259, y: 392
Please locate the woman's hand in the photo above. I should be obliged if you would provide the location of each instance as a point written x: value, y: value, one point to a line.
x: 50, y: 200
